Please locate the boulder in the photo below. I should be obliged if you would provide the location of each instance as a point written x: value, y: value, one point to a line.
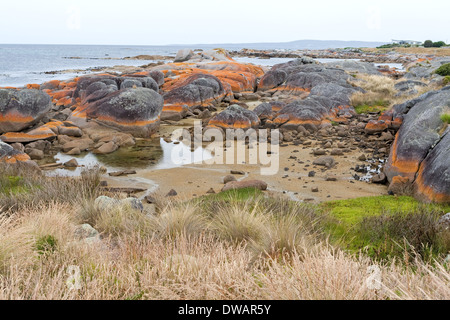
x: 235, y: 117
x: 234, y: 185
x: 106, y: 204
x: 325, y: 161
x: 133, y: 110
x: 20, y: 109
x: 184, y: 55
x: 421, y: 149
x: 197, y: 90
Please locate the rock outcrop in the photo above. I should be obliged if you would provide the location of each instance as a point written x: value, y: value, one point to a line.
x: 11, y: 156
x: 420, y: 153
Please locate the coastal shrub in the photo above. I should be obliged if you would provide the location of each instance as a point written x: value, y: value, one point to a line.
x: 443, y: 70
x: 404, y: 235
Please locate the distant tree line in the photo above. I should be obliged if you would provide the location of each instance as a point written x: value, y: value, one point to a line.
x: 426, y: 44
x: 431, y: 44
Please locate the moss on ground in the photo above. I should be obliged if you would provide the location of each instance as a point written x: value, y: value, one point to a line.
x: 386, y: 227
x: 377, y: 106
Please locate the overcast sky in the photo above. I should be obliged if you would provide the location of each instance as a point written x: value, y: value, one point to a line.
x: 162, y: 22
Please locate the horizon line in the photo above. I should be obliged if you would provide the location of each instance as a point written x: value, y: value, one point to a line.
x: 192, y: 44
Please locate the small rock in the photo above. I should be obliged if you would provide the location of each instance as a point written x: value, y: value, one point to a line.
x: 85, y: 231
x: 229, y: 178
x: 73, y: 163
x: 379, y: 178
x: 172, y: 193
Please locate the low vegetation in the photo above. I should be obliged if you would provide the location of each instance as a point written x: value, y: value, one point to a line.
x: 446, y: 118
x: 443, y: 70
x: 380, y: 93
x: 232, y: 245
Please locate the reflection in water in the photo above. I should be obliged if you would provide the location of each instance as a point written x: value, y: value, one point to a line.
x: 153, y: 154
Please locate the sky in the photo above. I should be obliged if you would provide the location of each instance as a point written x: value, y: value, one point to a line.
x: 163, y: 22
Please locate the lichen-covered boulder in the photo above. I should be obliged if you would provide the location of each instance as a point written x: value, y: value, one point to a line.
x: 268, y: 110
x: 20, y: 109
x: 235, y: 117
x: 297, y: 78
x: 331, y: 105
x: 127, y: 104
x: 433, y: 179
x: 133, y: 110
x: 197, y: 90
x: 420, y: 151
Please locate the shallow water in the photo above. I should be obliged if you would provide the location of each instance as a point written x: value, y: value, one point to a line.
x: 155, y: 154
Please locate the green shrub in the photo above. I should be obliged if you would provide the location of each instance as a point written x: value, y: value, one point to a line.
x: 444, y: 70
x: 46, y: 244
x: 403, y: 235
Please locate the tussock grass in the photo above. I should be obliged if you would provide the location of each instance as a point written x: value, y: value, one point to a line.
x: 233, y: 248
x: 21, y: 188
x: 380, y: 93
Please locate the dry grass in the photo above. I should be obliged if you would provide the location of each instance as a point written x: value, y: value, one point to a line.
x: 246, y: 249
x: 179, y: 266
x: 380, y: 93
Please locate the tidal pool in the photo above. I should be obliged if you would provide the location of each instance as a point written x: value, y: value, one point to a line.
x: 155, y: 154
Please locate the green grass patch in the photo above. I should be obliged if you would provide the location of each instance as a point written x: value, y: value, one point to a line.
x: 13, y: 185
x: 46, y: 244
x: 386, y: 226
x: 446, y: 118
x: 376, y: 106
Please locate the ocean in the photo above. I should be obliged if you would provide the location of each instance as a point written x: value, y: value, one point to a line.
x: 23, y: 64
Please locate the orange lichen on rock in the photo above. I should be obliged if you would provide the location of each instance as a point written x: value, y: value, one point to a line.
x: 15, y: 117
x: 399, y: 185
x: 33, y: 86
x: 427, y: 193
x: 402, y: 167
x: 22, y: 157
x: 376, y: 126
